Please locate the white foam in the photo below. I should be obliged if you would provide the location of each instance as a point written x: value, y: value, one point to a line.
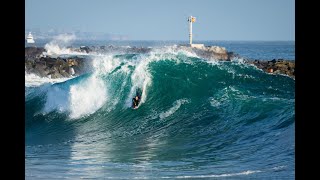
x: 213, y: 62
x: 105, y: 64
x: 126, y: 47
x: 32, y: 80
x: 214, y: 102
x: 238, y: 60
x: 79, y: 100
x: 246, y: 76
x: 173, y: 109
x: 125, y: 69
x: 215, y: 175
x: 87, y: 97
x: 59, y: 45
x: 141, y: 78
x: 171, y: 52
x: 278, y: 168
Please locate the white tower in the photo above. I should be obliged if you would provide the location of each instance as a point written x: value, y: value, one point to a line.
x: 191, y: 20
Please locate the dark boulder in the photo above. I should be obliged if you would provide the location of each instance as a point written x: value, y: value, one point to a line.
x: 274, y: 66
x: 33, y: 52
x: 85, y: 49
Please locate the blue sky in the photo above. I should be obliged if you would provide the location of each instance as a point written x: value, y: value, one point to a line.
x: 167, y: 19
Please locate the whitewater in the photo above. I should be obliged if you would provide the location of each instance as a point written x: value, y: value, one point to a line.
x: 197, y: 118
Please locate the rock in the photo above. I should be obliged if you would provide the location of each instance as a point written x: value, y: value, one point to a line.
x: 209, y: 52
x: 56, y: 75
x: 64, y: 73
x: 273, y: 61
x: 85, y: 49
x: 45, y: 66
x: 232, y: 55
x: 274, y: 66
x: 277, y: 72
x: 41, y: 69
x: 33, y: 52
x: 216, y: 49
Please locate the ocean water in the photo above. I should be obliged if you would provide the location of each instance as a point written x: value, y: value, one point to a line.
x: 197, y: 119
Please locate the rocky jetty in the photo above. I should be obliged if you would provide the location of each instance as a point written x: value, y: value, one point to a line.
x: 205, y: 52
x: 45, y: 66
x: 210, y: 52
x: 279, y: 66
x: 275, y: 66
x: 37, y: 62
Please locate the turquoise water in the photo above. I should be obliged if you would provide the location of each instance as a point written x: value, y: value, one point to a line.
x: 197, y: 119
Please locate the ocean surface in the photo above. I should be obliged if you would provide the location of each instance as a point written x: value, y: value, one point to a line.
x: 197, y: 119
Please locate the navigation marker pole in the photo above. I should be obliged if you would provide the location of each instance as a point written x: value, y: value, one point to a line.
x: 191, y: 20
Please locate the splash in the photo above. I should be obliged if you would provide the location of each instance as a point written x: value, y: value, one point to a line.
x: 32, y: 80
x: 59, y: 45
x: 81, y: 99
x: 87, y: 97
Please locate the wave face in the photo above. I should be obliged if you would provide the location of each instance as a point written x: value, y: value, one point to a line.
x: 196, y: 119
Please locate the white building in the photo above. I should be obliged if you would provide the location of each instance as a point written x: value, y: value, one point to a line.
x: 30, y: 38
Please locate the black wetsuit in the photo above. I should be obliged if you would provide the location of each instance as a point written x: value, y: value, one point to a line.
x: 135, y: 102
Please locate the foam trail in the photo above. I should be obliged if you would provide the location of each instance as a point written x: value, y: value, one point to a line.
x: 216, y: 175
x: 173, y: 109
x: 140, y: 78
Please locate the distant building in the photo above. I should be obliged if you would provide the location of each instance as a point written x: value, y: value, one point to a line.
x: 30, y: 39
